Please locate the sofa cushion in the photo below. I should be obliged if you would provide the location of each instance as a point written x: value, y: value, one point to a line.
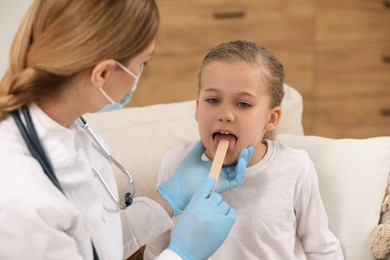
x: 352, y: 176
x: 292, y: 108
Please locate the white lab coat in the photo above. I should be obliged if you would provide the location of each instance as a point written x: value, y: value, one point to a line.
x: 39, y: 222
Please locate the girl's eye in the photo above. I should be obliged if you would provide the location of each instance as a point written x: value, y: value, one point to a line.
x: 212, y: 100
x: 244, y: 104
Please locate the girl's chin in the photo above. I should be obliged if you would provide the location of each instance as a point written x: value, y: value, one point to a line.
x: 230, y: 159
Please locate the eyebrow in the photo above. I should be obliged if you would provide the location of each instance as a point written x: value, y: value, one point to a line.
x: 240, y: 93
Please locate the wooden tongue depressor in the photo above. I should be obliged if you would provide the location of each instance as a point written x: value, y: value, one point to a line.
x: 218, y: 160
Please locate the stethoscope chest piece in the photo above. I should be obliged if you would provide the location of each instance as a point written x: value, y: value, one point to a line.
x: 128, y: 199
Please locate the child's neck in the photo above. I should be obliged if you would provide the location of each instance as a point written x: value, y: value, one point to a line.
x: 261, y: 150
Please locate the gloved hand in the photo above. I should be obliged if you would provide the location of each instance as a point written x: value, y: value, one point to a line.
x: 203, y: 226
x: 232, y: 175
x: 193, y: 171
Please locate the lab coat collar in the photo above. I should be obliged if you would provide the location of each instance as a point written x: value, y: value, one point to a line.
x: 45, y: 124
x: 59, y: 143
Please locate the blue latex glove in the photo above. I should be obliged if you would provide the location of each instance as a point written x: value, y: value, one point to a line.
x: 193, y: 171
x: 203, y: 226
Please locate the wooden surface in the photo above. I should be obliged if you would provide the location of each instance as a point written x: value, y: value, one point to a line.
x: 189, y: 29
x: 352, y: 76
x: 336, y: 53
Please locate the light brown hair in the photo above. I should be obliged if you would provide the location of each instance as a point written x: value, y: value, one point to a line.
x: 58, y: 39
x: 270, y: 68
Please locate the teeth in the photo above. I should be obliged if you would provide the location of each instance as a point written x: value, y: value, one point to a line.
x: 225, y: 133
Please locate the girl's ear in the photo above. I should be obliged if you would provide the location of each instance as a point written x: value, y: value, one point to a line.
x: 196, y: 110
x: 274, y: 119
x: 101, y: 71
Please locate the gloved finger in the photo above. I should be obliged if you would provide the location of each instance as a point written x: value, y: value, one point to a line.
x: 240, y: 172
x: 215, y: 199
x: 229, y: 171
x: 222, y: 184
x: 223, y: 208
x: 233, y: 175
x: 232, y: 214
x: 246, y: 153
x: 205, y: 190
x: 236, y: 177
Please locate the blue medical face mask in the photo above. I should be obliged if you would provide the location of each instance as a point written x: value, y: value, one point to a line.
x: 114, y: 105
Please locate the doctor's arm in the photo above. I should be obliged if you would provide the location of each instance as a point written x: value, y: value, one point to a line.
x: 144, y: 220
x: 199, y: 233
x: 30, y: 230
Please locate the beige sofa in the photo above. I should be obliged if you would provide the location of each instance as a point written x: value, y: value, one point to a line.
x: 353, y: 173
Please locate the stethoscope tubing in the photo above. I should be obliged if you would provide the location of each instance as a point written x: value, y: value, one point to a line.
x: 33, y: 143
x: 31, y: 138
x: 110, y: 158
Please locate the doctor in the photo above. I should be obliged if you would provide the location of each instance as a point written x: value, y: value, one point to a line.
x: 72, y: 57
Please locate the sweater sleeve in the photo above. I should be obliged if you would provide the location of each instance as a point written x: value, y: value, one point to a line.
x: 142, y: 222
x: 312, y: 222
x: 168, y: 166
x: 168, y: 255
x: 42, y: 232
x: 146, y: 222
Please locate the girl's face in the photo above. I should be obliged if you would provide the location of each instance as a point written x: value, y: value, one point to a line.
x: 233, y: 104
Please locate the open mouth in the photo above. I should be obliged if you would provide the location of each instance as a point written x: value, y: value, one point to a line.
x: 219, y: 135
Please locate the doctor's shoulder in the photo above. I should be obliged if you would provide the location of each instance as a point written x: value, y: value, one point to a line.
x: 24, y: 186
x: 15, y: 159
x: 30, y: 205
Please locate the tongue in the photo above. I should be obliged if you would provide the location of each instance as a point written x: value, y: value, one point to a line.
x: 231, y: 138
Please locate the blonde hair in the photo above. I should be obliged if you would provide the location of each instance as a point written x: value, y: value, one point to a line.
x: 249, y: 52
x: 58, y: 39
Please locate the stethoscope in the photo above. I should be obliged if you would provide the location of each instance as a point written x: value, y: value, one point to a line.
x: 31, y: 138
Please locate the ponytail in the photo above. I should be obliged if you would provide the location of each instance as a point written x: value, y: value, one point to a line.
x: 18, y: 77
x: 59, y: 39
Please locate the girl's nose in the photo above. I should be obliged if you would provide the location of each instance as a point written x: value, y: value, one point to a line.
x: 225, y: 115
